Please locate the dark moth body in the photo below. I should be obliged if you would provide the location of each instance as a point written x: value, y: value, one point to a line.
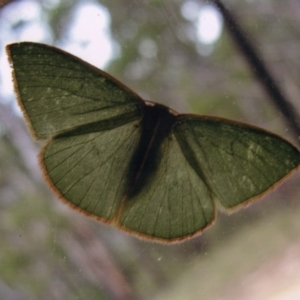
x: 136, y: 164
x: 156, y: 126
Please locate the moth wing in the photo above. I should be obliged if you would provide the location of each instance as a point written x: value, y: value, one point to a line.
x: 58, y: 91
x: 174, y: 204
x: 237, y: 162
x: 88, y: 170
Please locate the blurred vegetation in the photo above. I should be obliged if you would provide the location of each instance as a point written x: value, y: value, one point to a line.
x: 50, y: 252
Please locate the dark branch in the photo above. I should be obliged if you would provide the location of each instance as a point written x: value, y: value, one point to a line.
x: 260, y: 69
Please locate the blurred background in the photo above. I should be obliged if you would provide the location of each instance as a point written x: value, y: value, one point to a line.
x: 178, y: 53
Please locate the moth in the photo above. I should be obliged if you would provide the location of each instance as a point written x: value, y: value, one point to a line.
x: 136, y: 164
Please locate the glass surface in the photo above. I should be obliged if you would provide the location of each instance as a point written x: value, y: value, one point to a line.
x: 49, y: 251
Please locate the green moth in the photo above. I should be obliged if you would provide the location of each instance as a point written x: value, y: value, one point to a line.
x: 137, y: 164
